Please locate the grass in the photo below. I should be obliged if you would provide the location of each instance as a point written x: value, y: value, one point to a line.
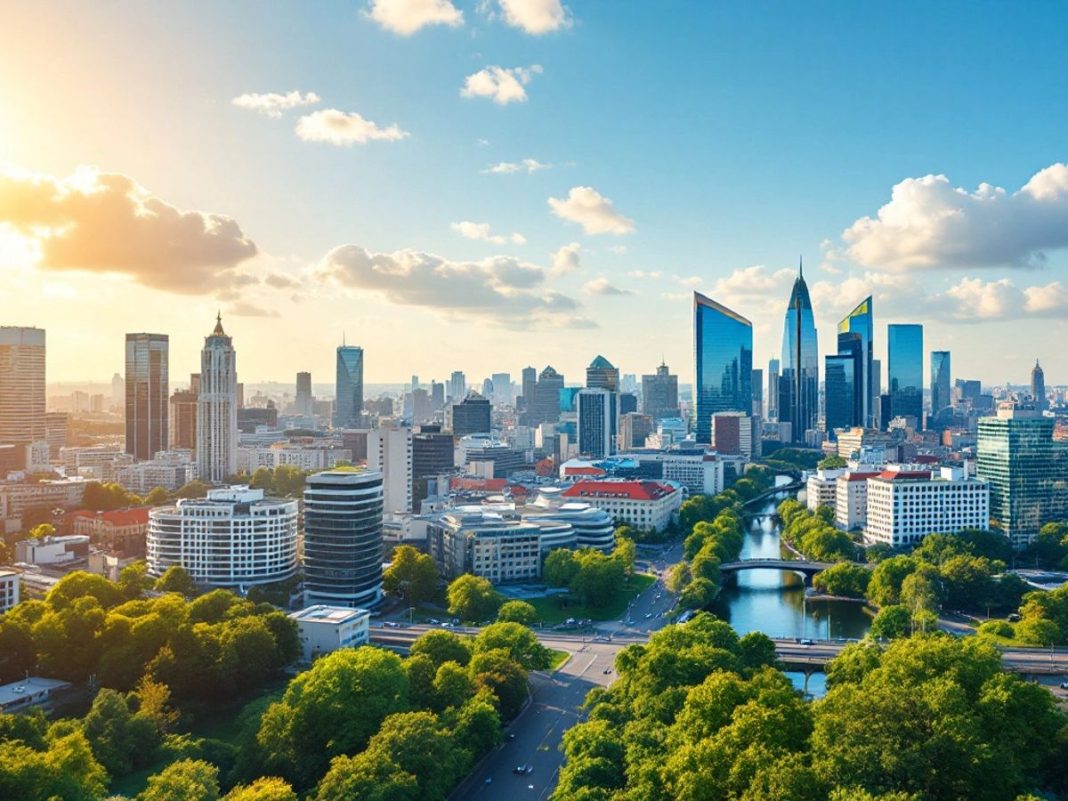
x: 558, y: 608
x: 558, y: 658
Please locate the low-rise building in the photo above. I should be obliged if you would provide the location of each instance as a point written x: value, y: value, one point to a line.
x: 906, y: 504
x: 471, y: 539
x: 120, y: 530
x: 9, y: 589
x: 16, y: 498
x: 52, y: 550
x: 591, y: 527
x: 851, y: 499
x: 323, y: 629
x: 821, y: 488
x: 642, y: 504
x: 32, y: 691
x: 169, y: 469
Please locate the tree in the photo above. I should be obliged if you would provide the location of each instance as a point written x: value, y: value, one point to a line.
x: 157, y: 496
x: 599, y: 578
x: 832, y: 463
x: 920, y: 593
x: 517, y: 612
x: 560, y: 567
x: 891, y: 622
x: 501, y: 675
x: 884, y: 587
x: 518, y: 641
x: 843, y: 579
x: 625, y: 552
x: 185, y: 780
x: 65, y: 769
x: 411, y: 574
x: 266, y: 788
x: 176, y: 579
x: 134, y: 580
x: 452, y: 686
x: 442, y: 646
x: 105, y: 497
x: 473, y: 598
x: 193, y: 489
x: 121, y: 740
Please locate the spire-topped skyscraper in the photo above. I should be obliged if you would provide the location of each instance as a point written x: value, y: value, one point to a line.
x: 217, y: 407
x: 799, y: 381
x: 1038, y: 387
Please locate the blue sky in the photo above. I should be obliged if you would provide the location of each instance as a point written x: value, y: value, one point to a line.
x: 728, y: 138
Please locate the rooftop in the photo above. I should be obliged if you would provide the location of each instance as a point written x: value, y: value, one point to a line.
x: 16, y: 690
x: 631, y: 490
x: 321, y: 613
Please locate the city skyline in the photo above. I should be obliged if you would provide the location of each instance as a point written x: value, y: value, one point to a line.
x: 550, y: 227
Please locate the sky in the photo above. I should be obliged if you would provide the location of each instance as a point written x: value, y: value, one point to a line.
x: 486, y: 184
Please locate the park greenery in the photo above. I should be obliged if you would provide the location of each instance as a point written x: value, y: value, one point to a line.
x: 699, y: 714
x: 813, y: 534
x: 412, y: 575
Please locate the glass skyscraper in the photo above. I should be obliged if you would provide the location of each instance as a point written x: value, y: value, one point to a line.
x: 799, y: 381
x: 840, y: 392
x: 940, y: 381
x: 856, y: 336
x: 904, y: 348
x: 147, y: 394
x: 349, y: 387
x: 723, y: 352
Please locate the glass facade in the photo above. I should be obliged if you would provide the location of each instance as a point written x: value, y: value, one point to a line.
x: 840, y: 394
x: 349, y: 387
x: 940, y: 381
x: 904, y: 342
x: 799, y: 382
x: 723, y: 351
x: 856, y: 336
x: 147, y: 394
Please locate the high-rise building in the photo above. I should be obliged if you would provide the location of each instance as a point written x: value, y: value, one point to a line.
x: 904, y: 350
x: 596, y: 408
x: 118, y: 392
x: 421, y: 409
x: 1038, y: 387
x: 389, y: 451
x: 660, y: 393
x: 471, y: 416
x: 183, y: 416
x: 601, y: 374
x: 773, y: 390
x: 723, y: 351
x: 758, y: 393
x: 432, y: 455
x: 343, y: 538
x: 303, y: 398
x: 528, y: 389
x: 147, y: 394
x: 856, y: 335
x: 437, y: 396
x: 633, y: 429
x: 457, y: 386
x: 839, y: 387
x: 1027, y: 471
x: 217, y: 408
x: 22, y: 389
x: 502, y: 389
x: 876, y: 378
x: 627, y: 402
x: 732, y: 434
x: 546, y: 407
x: 348, y: 407
x: 799, y: 383
x: 940, y: 381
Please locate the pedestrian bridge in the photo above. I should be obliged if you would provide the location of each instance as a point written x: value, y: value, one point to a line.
x: 805, y: 568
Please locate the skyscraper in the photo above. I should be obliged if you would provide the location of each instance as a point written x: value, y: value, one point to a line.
x: 758, y: 393
x: 217, y: 408
x: 940, y: 381
x: 799, y: 383
x: 529, y: 381
x: 183, y: 415
x: 839, y: 387
x: 303, y: 397
x: 457, y: 386
x: 348, y: 386
x: 723, y: 352
x: 904, y: 350
x: 546, y: 407
x: 660, y: 393
x: 602, y: 374
x: 595, y: 410
x: 502, y: 389
x: 773, y: 389
x: 389, y: 451
x: 856, y: 335
x: 1038, y: 387
x: 22, y: 388
x: 471, y: 416
x: 147, y: 394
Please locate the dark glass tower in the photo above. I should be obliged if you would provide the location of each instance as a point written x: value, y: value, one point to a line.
x: 856, y: 338
x: 904, y: 349
x: 1038, y: 387
x: 147, y: 394
x: 799, y: 381
x: 349, y: 387
x: 723, y: 352
x: 839, y: 387
x: 940, y: 381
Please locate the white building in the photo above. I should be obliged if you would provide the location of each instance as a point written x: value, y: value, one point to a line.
x: 821, y: 489
x: 306, y: 457
x: 9, y: 589
x: 642, y: 504
x: 235, y: 537
x: 217, y: 408
x: 52, y: 550
x: 16, y: 498
x: 170, y: 470
x: 851, y: 499
x: 323, y: 629
x: 389, y: 451
x: 471, y: 539
x: 100, y: 462
x: 29, y: 692
x: 906, y: 504
x: 700, y: 474
x: 591, y: 527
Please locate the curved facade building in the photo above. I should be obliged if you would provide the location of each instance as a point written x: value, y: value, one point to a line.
x: 343, y: 538
x: 723, y: 351
x: 234, y: 537
x: 799, y: 381
x: 591, y: 527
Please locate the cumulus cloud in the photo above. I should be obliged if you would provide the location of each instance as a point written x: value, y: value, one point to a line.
x: 344, y: 128
x: 602, y: 286
x: 281, y: 281
x: 511, y: 167
x: 975, y: 300
x: 535, y: 16
x: 273, y: 104
x: 501, y: 291
x: 501, y: 85
x: 482, y: 232
x: 929, y: 224
x: 107, y: 223
x: 566, y: 259
x: 592, y: 210
x: 405, y: 17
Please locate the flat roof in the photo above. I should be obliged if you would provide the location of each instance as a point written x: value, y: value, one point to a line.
x: 322, y: 613
x: 9, y: 693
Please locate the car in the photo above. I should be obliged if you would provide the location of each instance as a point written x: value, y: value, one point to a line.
x: 511, y: 735
x: 606, y: 671
x: 1064, y: 685
x: 392, y: 624
x: 433, y: 621
x: 448, y: 625
x: 489, y: 780
x: 648, y: 615
x: 805, y: 641
x: 523, y: 770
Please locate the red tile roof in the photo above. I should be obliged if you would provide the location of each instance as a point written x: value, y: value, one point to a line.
x: 859, y: 476
x: 584, y: 471
x: 905, y: 475
x: 478, y: 484
x: 632, y: 490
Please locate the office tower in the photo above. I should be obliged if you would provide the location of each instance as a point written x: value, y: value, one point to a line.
x: 633, y: 429
x: 723, y: 352
x: 217, y: 408
x: 389, y: 451
x: 629, y: 383
x: 876, y: 377
x: 303, y: 398
x: 487, y: 388
x: 595, y: 410
x: 529, y: 383
x: 457, y: 386
x: 118, y: 392
x: 415, y: 383
x: 839, y: 390
x: 660, y: 393
x: 471, y: 416
x: 904, y: 350
x: 799, y: 382
x: 1027, y: 471
x: 502, y: 389
x: 22, y: 389
x: 183, y: 415
x: 757, y: 382
x: 968, y: 391
x: 420, y: 405
x: 732, y: 434
x: 546, y: 408
x: 601, y: 374
x: 432, y: 455
x: 1038, y: 387
x: 348, y: 385
x: 856, y: 337
x: 773, y: 389
x: 437, y: 396
x: 940, y: 381
x: 343, y: 538
x: 57, y: 430
x: 147, y: 394
x: 627, y: 403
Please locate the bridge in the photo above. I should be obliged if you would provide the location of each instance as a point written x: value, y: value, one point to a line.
x: 804, y: 567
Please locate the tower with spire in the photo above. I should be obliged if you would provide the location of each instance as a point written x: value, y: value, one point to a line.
x: 1038, y: 387
x: 217, y: 407
x: 799, y: 380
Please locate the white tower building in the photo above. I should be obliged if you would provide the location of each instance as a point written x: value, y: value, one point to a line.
x: 217, y: 408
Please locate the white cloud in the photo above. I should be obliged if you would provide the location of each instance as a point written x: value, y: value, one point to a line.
x: 535, y: 16
x: 592, y: 210
x: 973, y: 300
x: 243, y: 308
x: 482, y: 231
x: 652, y: 275
x: 511, y: 167
x: 405, y: 17
x: 341, y: 128
x: 566, y: 259
x: 500, y: 84
x: 602, y: 286
x: 273, y: 104
x: 929, y: 224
